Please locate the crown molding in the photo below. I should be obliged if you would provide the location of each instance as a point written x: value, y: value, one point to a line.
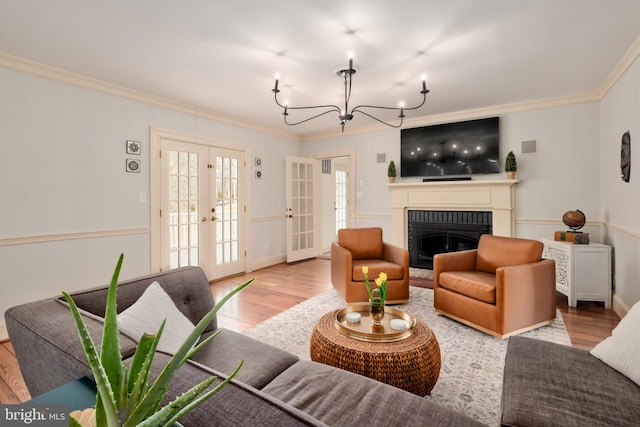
x: 60, y: 75
x: 57, y: 74
x: 622, y: 66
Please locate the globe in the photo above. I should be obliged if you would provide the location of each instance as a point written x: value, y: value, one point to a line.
x: 575, y: 220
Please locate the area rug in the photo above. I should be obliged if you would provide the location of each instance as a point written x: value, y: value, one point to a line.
x: 470, y: 379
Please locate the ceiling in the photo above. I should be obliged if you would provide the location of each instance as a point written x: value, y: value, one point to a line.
x: 221, y: 56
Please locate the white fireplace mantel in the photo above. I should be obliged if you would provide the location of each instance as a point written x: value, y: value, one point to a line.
x: 496, y: 196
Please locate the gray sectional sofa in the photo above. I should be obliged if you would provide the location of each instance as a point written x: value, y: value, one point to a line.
x: 273, y: 388
x: 548, y: 384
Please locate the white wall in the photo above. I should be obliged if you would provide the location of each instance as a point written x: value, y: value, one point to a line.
x: 577, y: 167
x: 64, y: 185
x: 619, y: 112
x: 372, y: 198
x: 62, y: 172
x: 562, y: 176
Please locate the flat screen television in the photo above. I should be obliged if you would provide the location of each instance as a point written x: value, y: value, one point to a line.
x: 461, y: 148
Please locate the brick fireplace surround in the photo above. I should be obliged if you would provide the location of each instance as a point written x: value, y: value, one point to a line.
x: 495, y: 196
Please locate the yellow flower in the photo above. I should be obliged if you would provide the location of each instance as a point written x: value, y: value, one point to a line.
x: 379, y: 281
x: 365, y: 269
x: 383, y: 277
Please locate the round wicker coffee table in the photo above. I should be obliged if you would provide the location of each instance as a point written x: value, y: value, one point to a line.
x: 412, y: 364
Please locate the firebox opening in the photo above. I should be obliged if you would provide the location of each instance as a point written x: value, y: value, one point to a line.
x: 434, y: 232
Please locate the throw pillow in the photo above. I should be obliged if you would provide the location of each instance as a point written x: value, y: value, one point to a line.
x: 146, y: 316
x: 621, y: 349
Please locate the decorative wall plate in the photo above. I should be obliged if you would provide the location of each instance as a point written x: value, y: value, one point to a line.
x: 133, y: 166
x: 133, y: 147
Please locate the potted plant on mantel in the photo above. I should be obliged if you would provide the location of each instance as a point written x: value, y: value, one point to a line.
x: 391, y: 172
x: 124, y: 396
x: 510, y: 165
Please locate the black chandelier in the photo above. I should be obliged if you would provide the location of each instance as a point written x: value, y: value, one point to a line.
x: 344, y: 115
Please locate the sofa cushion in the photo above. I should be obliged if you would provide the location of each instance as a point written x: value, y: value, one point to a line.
x: 376, y: 266
x: 621, y: 350
x: 188, y: 287
x: 147, y: 314
x: 363, y: 243
x: 262, y: 362
x: 332, y: 395
x: 473, y: 284
x: 551, y: 384
x: 497, y: 251
x: 236, y: 405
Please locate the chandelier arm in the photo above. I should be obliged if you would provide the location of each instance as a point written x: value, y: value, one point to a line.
x: 377, y: 119
x: 359, y: 107
x: 335, y: 107
x: 310, y: 118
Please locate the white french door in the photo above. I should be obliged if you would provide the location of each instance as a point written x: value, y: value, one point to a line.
x: 201, y: 208
x: 227, y: 212
x: 303, y: 238
x: 184, y: 218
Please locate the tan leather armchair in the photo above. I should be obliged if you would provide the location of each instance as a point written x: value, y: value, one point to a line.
x: 502, y: 288
x: 357, y: 247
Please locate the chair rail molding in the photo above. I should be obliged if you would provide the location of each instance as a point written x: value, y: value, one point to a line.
x: 46, y: 238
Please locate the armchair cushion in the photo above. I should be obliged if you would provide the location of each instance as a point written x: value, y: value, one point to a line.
x: 498, y: 251
x: 473, y: 284
x: 363, y: 243
x: 394, y: 271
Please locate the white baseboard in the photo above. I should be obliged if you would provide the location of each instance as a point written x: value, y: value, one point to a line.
x: 619, y: 307
x: 4, y: 334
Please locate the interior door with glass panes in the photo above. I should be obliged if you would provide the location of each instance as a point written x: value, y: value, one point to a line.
x: 302, y: 230
x: 202, y: 208
x: 227, y: 212
x: 184, y: 214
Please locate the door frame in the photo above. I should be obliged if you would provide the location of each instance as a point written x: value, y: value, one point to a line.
x: 351, y: 181
x: 155, y: 135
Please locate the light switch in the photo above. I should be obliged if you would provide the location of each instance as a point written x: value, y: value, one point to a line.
x: 143, y: 197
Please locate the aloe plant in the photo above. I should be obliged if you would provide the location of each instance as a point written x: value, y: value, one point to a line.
x: 124, y: 396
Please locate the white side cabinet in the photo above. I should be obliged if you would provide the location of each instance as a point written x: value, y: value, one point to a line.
x: 583, y: 272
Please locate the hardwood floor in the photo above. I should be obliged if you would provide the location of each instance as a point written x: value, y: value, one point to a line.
x: 12, y: 387
x: 282, y: 286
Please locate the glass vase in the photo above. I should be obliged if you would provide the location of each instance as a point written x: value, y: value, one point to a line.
x: 377, y: 311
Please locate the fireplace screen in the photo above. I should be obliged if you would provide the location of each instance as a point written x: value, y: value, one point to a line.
x: 434, y: 232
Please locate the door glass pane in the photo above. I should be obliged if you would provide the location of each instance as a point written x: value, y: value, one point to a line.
x: 302, y: 206
x: 226, y: 210
x: 341, y: 200
x: 184, y: 201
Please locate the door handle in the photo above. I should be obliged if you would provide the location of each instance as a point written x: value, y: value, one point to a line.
x: 213, y: 218
x: 288, y: 216
x: 203, y: 219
